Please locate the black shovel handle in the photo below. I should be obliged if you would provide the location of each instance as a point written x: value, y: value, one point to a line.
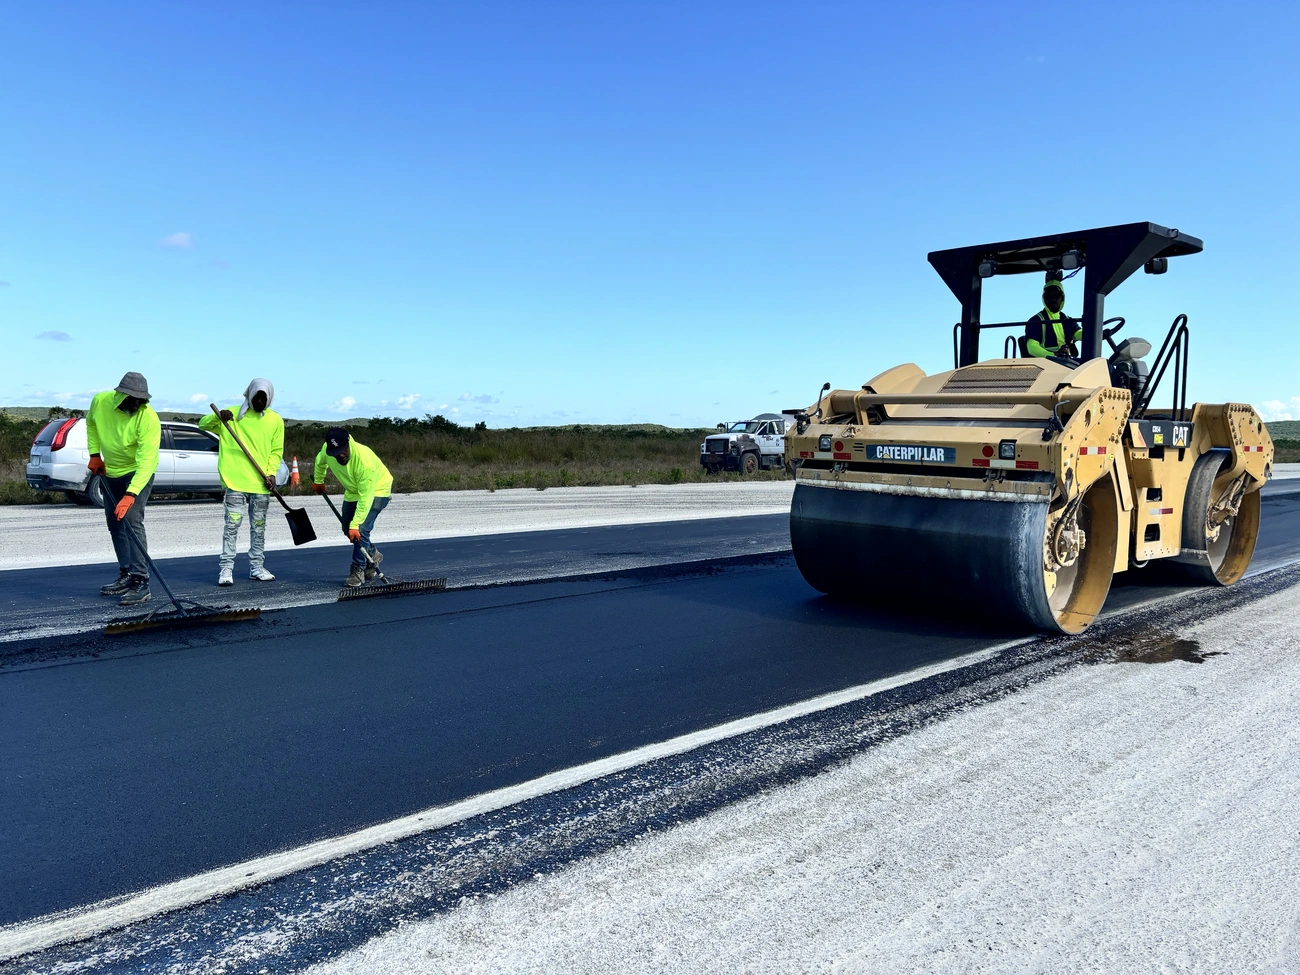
x: 231, y: 430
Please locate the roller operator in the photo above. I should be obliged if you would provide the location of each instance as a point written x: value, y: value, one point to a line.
x: 1052, y: 332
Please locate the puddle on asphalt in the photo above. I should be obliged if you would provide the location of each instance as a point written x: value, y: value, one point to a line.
x: 1150, y: 647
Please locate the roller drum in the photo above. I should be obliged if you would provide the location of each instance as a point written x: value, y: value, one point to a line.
x: 937, y: 554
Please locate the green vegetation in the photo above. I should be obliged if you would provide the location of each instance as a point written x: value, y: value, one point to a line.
x: 16, y: 436
x: 435, y: 454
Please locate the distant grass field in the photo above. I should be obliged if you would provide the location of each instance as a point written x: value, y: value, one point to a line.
x: 434, y: 454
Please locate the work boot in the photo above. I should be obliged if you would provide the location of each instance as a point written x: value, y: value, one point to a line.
x: 355, y: 577
x: 226, y: 577
x: 372, y: 567
x: 260, y: 574
x: 118, y: 585
x: 137, y: 592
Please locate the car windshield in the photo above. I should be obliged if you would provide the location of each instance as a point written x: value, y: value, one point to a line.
x: 745, y: 426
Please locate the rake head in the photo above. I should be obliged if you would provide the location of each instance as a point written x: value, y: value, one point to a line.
x: 172, y: 619
x: 393, y: 588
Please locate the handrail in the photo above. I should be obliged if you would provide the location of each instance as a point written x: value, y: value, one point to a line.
x: 1010, y: 345
x: 1174, y: 349
x: 1047, y: 399
x: 979, y: 327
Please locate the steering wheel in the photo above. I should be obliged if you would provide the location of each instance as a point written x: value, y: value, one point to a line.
x: 1106, y: 333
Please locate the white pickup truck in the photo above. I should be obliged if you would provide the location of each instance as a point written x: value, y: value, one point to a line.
x: 747, y: 446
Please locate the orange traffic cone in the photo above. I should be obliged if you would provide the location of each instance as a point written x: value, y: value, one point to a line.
x: 293, y: 474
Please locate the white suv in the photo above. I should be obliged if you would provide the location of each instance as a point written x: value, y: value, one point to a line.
x: 187, y: 461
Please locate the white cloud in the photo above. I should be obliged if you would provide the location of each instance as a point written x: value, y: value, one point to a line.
x: 455, y: 411
x: 408, y: 401
x: 181, y: 240
x: 198, y: 397
x: 345, y: 405
x: 480, y: 398
x: 1273, y: 410
x: 55, y: 336
x: 443, y: 406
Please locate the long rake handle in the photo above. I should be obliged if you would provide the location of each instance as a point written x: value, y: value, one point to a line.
x: 369, y: 558
x: 231, y: 430
x: 130, y: 535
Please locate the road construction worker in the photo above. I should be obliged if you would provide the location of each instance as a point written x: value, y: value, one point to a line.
x: 248, y: 483
x: 123, y: 435
x: 367, y: 485
x: 1051, y: 332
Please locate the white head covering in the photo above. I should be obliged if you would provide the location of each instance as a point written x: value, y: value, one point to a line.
x: 257, y: 385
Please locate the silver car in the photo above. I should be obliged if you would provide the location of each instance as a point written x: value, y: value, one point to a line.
x: 187, y: 461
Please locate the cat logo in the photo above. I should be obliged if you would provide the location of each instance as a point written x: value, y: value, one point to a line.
x: 1182, y: 434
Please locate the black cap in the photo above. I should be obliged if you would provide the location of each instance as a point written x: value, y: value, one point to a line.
x: 336, y: 441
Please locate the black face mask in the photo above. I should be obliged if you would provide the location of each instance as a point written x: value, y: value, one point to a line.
x: 259, y: 401
x: 131, y: 404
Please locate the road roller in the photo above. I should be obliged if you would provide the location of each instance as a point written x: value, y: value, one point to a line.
x: 1014, y: 488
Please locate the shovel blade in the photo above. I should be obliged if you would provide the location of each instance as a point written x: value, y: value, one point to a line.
x: 300, y: 526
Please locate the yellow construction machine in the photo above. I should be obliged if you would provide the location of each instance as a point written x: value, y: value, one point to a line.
x: 1016, y: 487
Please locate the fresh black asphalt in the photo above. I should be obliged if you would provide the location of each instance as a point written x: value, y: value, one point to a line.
x: 129, y: 763
x: 34, y: 600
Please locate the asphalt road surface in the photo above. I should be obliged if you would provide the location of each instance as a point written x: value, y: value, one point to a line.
x: 131, y: 762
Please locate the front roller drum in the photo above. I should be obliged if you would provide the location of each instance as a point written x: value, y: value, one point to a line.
x: 956, y: 556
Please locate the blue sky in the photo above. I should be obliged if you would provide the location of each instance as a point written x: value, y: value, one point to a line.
x: 634, y: 212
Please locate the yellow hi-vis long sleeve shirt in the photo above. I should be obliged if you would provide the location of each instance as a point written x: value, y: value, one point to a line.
x: 263, y: 435
x: 127, y: 442
x: 364, y: 478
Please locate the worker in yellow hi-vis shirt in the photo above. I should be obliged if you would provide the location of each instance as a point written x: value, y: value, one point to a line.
x: 367, y: 485
x: 248, y: 488
x: 123, y: 434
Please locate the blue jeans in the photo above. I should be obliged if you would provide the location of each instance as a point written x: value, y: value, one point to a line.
x: 349, y: 509
x: 235, y: 504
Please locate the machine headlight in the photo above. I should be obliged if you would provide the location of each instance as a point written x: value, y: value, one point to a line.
x: 824, y: 442
x: 1007, y: 450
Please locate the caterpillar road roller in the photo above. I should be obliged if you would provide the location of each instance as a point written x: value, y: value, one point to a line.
x: 1016, y: 487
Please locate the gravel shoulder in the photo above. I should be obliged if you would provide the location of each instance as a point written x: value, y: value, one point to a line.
x: 1121, y: 817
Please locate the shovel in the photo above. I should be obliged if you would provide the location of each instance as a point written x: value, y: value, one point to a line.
x: 299, y: 524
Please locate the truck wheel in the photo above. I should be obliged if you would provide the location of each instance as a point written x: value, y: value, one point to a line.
x: 80, y: 498
x: 711, y: 468
x: 749, y: 463
x: 95, y: 492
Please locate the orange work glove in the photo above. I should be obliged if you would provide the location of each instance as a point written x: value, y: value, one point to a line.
x: 354, y: 534
x: 318, y: 488
x: 124, y: 506
x: 96, y: 465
